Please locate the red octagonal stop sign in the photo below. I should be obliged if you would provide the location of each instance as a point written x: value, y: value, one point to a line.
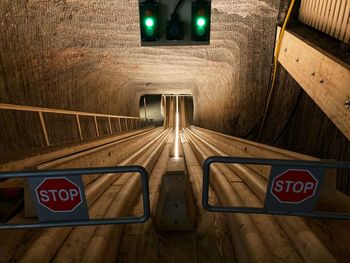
x: 294, y: 186
x: 59, y: 194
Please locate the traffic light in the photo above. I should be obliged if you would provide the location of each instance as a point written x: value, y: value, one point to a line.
x: 149, y: 20
x: 175, y: 22
x: 201, y: 20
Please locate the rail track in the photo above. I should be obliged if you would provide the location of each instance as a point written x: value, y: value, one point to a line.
x: 241, y: 237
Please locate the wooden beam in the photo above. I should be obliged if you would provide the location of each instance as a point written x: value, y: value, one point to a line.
x: 38, y: 158
x: 120, y: 126
x: 110, y: 125
x: 4, y: 106
x: 126, y: 124
x: 96, y: 127
x: 43, y: 128
x: 79, y: 127
x: 323, y: 77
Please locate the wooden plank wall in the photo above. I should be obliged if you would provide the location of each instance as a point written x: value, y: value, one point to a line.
x: 329, y: 16
x: 324, y: 78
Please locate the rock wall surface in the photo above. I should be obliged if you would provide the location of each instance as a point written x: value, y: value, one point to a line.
x: 86, y: 56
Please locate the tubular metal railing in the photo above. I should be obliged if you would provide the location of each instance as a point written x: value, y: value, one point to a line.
x: 267, y: 210
x: 42, y: 175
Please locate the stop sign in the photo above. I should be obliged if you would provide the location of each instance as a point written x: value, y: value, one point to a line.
x: 294, y: 186
x: 58, y: 194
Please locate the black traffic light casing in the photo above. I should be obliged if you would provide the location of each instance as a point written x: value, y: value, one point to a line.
x: 149, y: 20
x: 200, y: 21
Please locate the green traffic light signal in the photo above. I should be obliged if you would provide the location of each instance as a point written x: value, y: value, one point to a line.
x: 200, y: 26
x: 201, y: 10
x: 149, y: 25
x: 200, y: 21
x: 149, y: 22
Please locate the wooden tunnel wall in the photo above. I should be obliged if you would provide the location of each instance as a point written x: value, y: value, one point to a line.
x: 296, y: 123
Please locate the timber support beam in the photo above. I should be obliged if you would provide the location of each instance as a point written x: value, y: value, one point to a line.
x: 324, y: 78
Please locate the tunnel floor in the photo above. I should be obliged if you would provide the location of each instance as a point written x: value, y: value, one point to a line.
x: 207, y: 242
x: 215, y: 237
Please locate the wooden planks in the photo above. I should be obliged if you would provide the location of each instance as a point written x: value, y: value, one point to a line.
x: 40, y: 158
x: 328, y: 16
x: 324, y: 78
x: 295, y: 230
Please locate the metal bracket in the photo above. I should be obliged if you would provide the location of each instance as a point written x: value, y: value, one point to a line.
x: 258, y: 161
x: 84, y: 171
x: 347, y: 104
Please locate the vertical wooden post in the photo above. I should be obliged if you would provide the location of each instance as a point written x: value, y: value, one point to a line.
x: 120, y: 125
x: 165, y: 112
x: 43, y: 127
x: 126, y: 124
x: 145, y: 106
x: 79, y: 127
x: 110, y: 125
x: 96, y: 127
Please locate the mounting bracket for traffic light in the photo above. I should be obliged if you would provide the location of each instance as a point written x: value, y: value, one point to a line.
x: 279, y: 168
x: 39, y: 178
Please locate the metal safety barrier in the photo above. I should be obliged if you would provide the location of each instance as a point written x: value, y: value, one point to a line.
x: 39, y: 177
x: 279, y: 167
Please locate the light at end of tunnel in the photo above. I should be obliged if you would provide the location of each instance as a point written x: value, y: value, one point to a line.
x: 177, y: 120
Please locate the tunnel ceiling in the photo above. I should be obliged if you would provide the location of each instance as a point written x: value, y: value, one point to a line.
x: 86, y: 55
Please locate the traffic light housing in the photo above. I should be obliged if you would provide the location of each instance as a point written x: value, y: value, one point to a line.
x: 174, y: 22
x: 200, y: 24
x: 149, y: 20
